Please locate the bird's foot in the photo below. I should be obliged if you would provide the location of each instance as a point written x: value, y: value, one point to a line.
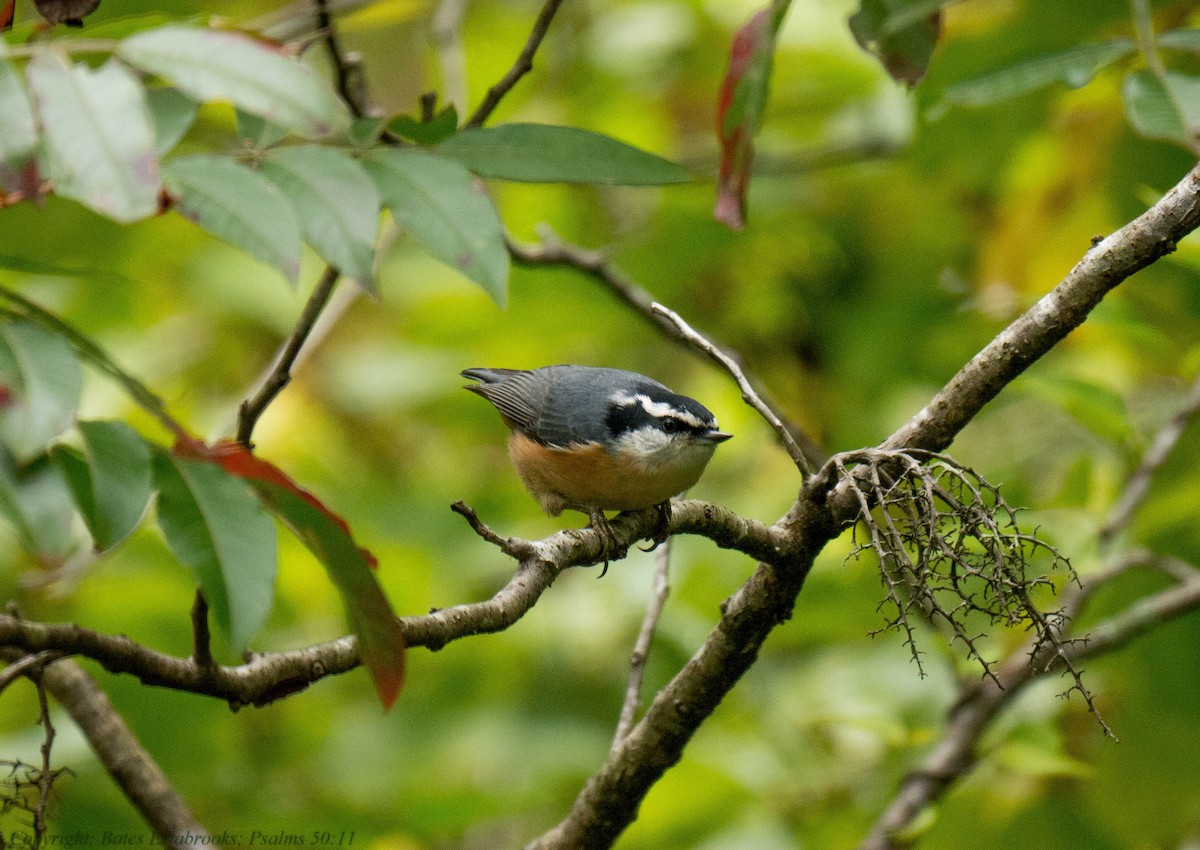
x: 662, y: 528
x: 599, y: 522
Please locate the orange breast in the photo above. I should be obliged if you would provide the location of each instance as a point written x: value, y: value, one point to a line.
x: 590, y: 476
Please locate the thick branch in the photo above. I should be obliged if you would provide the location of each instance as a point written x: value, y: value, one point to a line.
x: 610, y: 799
x: 131, y: 767
x: 1109, y: 262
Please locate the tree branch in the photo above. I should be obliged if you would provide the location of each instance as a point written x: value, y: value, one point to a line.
x: 140, y: 779
x: 641, y: 649
x: 281, y: 373
x: 554, y: 252
x: 610, y: 799
x: 1150, y: 236
x: 271, y: 676
x: 520, y: 68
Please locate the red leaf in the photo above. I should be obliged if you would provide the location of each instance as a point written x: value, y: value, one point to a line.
x: 238, y: 460
x: 381, y: 642
x: 740, y: 108
x: 6, y: 15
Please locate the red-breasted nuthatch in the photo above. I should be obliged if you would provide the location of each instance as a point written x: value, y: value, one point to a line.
x: 596, y: 440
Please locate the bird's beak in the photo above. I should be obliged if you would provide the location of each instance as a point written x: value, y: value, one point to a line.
x: 717, y: 436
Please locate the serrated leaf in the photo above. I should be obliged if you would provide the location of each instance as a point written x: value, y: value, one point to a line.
x: 18, y: 131
x: 542, y: 153
x: 111, y: 480
x: 221, y: 65
x: 173, y: 113
x: 98, y: 136
x: 1163, y: 108
x: 41, y: 381
x: 217, y: 527
x: 336, y: 202
x: 238, y: 205
x: 439, y: 127
x: 901, y: 34
x: 446, y: 211
x: 1076, y: 67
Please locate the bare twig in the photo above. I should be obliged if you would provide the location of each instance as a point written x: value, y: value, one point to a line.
x: 749, y: 394
x: 1155, y: 456
x: 976, y: 706
x: 520, y: 68
x: 641, y: 649
x: 555, y: 252
x: 347, y: 66
x: 27, y: 665
x: 280, y: 373
x: 46, y: 777
x: 201, y: 635
x: 131, y: 767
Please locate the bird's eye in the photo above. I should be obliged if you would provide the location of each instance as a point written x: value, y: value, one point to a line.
x: 674, y: 426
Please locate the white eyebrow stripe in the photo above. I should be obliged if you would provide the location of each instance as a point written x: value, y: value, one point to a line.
x: 661, y: 409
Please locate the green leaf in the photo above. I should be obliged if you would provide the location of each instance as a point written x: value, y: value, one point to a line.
x: 238, y: 205
x: 1163, y: 108
x: 428, y: 132
x: 218, y: 528
x: 111, y: 481
x: 441, y: 205
x: 1179, y: 40
x: 542, y: 153
x: 99, y: 139
x: 36, y: 501
x: 260, y: 134
x: 364, y: 132
x: 381, y: 642
x: 41, y: 382
x: 253, y: 76
x: 337, y: 204
x: 1075, y: 67
x: 18, y: 131
x: 29, y: 265
x: 901, y: 34
x: 173, y: 113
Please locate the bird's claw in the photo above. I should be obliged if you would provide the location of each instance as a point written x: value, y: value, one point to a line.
x: 661, y: 528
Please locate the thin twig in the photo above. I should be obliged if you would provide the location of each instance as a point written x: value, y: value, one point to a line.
x: 27, y: 665
x: 46, y: 776
x: 553, y: 251
x: 641, y: 649
x: 520, y: 68
x: 749, y: 395
x: 1155, y: 456
x: 136, y: 773
x: 347, y: 67
x: 201, y: 635
x: 281, y: 372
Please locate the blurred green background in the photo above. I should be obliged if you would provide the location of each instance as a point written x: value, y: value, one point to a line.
x: 884, y: 248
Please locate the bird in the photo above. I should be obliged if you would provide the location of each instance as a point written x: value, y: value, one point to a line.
x: 594, y: 439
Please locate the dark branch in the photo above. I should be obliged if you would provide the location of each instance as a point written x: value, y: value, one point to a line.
x: 281, y: 373
x: 520, y: 68
x: 554, y: 252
